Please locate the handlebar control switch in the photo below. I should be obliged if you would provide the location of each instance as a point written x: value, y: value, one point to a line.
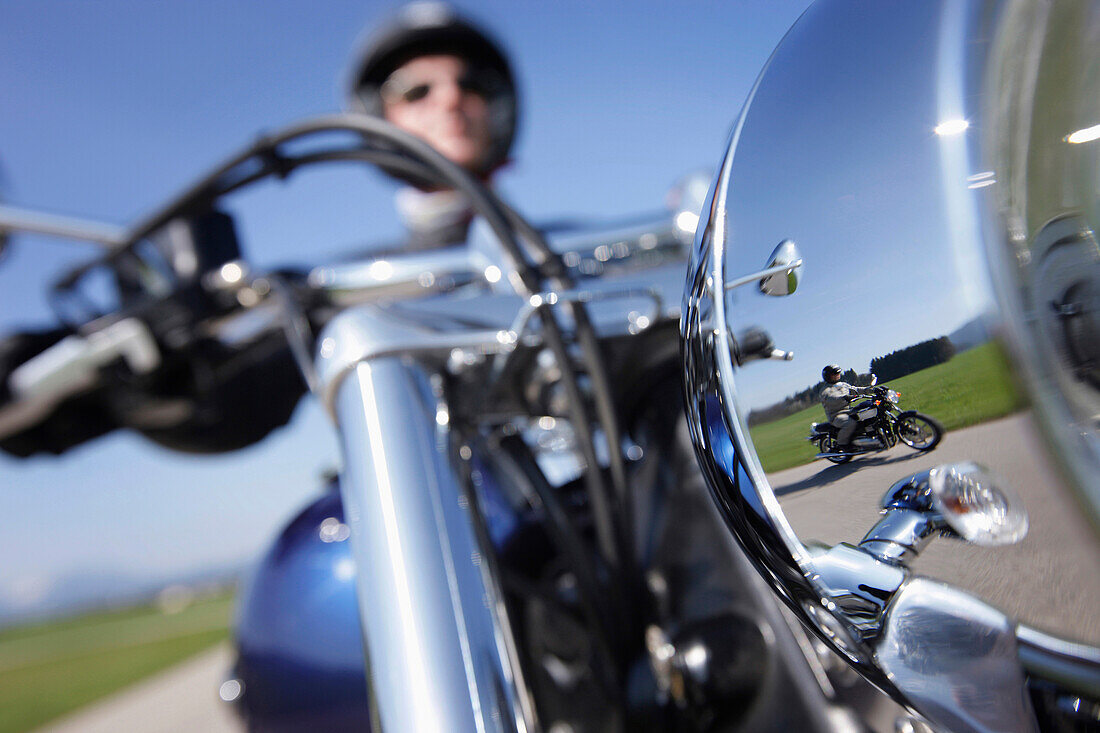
x: 754, y: 344
x: 70, y: 365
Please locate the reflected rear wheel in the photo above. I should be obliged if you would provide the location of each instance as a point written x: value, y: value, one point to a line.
x: 828, y: 445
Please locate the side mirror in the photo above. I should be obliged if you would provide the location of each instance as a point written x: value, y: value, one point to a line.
x: 786, y: 259
x: 940, y: 180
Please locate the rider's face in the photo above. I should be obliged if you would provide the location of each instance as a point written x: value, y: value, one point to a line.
x: 433, y: 98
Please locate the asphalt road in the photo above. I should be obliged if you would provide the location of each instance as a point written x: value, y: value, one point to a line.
x: 1050, y: 580
x: 182, y: 699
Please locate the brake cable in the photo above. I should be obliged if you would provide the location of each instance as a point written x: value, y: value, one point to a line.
x: 263, y: 158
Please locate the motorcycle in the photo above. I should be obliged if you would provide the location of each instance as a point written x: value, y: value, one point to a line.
x: 520, y: 537
x: 881, y: 425
x: 502, y: 547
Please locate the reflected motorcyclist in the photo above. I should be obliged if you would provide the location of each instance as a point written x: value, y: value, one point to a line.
x: 436, y: 75
x: 835, y: 398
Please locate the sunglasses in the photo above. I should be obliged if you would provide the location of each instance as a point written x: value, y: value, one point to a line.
x: 397, y: 89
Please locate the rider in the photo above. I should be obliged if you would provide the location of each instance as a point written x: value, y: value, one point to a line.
x: 437, y: 76
x: 835, y: 398
x: 429, y: 72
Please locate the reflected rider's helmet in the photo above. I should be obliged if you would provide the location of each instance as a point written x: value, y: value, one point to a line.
x: 832, y: 370
x: 431, y: 28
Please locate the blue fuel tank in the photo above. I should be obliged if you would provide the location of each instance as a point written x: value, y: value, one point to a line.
x: 300, y: 655
x: 300, y: 659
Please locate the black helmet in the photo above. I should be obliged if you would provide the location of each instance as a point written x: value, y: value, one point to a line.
x: 427, y: 28
x: 832, y: 370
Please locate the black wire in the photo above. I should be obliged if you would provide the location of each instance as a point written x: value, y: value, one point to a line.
x: 228, y: 177
x: 264, y: 160
x: 601, y: 507
x: 371, y: 128
x: 594, y: 604
x: 601, y: 391
x: 382, y: 158
x: 618, y: 534
x: 606, y: 415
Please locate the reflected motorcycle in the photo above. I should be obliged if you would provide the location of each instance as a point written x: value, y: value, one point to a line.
x: 944, y: 150
x: 882, y: 424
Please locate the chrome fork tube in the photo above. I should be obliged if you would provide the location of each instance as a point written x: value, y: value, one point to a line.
x: 439, y: 649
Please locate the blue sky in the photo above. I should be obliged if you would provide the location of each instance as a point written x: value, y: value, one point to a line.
x: 109, y: 107
x: 838, y: 153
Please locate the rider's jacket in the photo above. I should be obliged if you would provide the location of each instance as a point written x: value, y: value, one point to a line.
x: 835, y: 397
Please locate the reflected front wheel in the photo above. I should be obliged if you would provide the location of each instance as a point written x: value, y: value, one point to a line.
x: 919, y: 432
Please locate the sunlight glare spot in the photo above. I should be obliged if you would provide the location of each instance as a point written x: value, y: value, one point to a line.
x: 1085, y: 135
x: 381, y: 270
x: 687, y: 221
x: 951, y: 127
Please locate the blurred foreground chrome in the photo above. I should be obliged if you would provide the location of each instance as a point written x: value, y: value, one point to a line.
x: 937, y: 166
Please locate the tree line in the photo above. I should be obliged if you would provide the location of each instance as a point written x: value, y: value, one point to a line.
x: 913, y: 358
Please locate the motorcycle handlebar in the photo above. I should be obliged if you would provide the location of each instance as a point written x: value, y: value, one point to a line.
x: 406, y: 275
x: 522, y: 258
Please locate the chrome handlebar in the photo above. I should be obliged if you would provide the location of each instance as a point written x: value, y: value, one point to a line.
x: 71, y: 366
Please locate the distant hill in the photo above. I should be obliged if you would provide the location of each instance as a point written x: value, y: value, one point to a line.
x: 101, y: 588
x: 971, y: 334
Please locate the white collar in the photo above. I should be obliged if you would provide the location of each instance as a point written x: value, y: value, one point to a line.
x: 428, y: 210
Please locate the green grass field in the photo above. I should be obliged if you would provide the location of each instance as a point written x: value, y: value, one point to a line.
x: 973, y: 387
x: 49, y: 669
